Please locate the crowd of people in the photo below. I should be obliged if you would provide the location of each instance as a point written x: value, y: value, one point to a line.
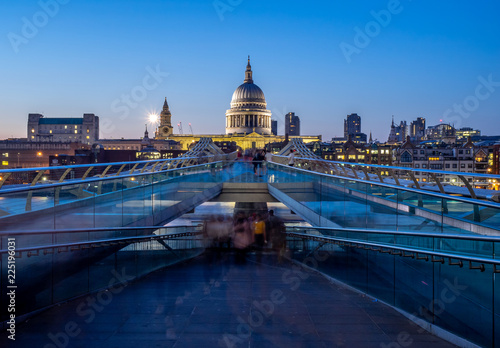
x: 261, y: 157
x: 257, y: 231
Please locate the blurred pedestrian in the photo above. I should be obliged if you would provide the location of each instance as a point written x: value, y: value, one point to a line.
x: 242, y: 237
x: 291, y: 158
x: 277, y: 234
x: 259, y: 230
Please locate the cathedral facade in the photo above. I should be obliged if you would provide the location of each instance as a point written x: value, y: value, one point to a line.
x: 248, y: 111
x: 248, y: 122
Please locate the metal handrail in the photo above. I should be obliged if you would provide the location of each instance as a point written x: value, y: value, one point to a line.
x: 74, y: 166
x: 408, y: 169
x: 104, y: 241
x: 79, y: 230
x: 409, y: 189
x: 185, y: 160
x: 330, y: 239
x: 93, y: 179
x: 472, y: 237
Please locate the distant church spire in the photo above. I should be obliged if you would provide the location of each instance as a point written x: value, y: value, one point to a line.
x: 165, y: 127
x: 165, y: 105
x: 248, y: 73
x: 371, y: 140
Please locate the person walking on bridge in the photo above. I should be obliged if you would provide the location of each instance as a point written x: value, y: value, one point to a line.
x: 242, y: 237
x: 276, y: 234
x: 259, y: 230
x: 291, y: 158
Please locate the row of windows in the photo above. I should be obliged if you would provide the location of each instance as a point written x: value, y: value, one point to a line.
x: 76, y: 131
x: 57, y: 127
x: 64, y: 138
x: 381, y: 151
x: 137, y: 148
x: 460, y: 152
x: 440, y: 166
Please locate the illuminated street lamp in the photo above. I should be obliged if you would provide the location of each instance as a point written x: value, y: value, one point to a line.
x: 154, y: 120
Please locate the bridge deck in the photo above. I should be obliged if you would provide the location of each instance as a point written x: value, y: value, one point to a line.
x: 212, y: 301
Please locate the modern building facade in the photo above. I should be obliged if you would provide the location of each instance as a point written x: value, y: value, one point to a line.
x: 417, y: 130
x: 352, y: 125
x: 465, y: 132
x: 248, y: 113
x: 442, y: 132
x: 274, y: 127
x: 292, y: 124
x: 83, y: 130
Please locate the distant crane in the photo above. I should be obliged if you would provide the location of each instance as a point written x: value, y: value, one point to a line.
x: 191, y: 128
x: 180, y: 127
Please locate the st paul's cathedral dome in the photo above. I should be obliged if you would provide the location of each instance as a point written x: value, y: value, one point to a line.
x: 248, y: 111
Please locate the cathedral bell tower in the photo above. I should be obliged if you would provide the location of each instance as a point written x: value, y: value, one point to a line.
x: 165, y: 128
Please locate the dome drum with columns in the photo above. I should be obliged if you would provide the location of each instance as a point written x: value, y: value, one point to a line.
x: 248, y: 111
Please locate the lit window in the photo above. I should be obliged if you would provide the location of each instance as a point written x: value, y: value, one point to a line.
x: 39, y: 154
x: 65, y: 127
x: 5, y: 163
x: 32, y: 137
x: 88, y: 131
x: 88, y: 137
x: 76, y: 131
x: 32, y: 130
x: 6, y: 154
x: 50, y: 131
x: 76, y: 127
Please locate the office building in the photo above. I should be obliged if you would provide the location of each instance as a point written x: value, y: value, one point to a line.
x: 83, y: 130
x: 417, y: 130
x: 352, y: 125
x: 292, y: 124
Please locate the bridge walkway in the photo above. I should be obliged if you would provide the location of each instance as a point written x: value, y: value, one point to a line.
x: 212, y: 301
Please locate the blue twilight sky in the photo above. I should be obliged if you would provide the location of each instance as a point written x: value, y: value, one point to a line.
x: 320, y: 59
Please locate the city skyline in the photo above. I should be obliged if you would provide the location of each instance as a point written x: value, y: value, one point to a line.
x: 119, y: 60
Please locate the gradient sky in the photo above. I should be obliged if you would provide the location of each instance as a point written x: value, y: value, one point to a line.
x: 85, y: 55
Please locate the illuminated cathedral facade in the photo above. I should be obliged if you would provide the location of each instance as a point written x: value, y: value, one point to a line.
x: 248, y: 122
x: 248, y: 111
